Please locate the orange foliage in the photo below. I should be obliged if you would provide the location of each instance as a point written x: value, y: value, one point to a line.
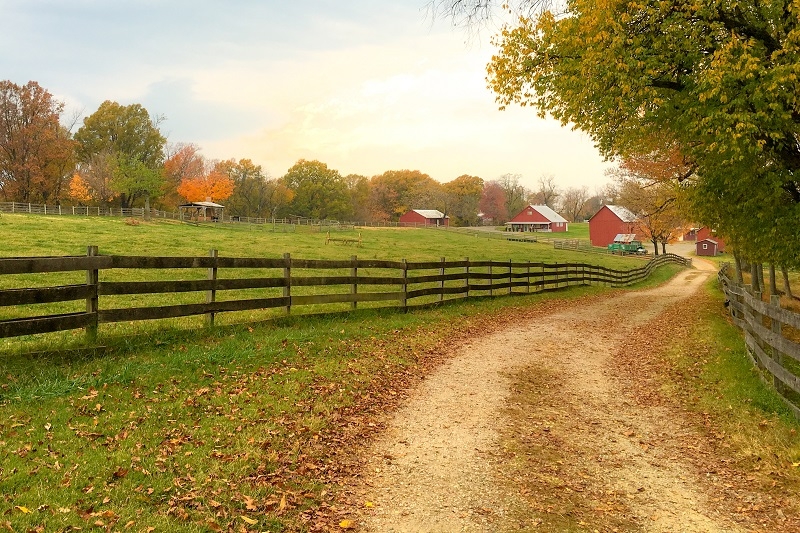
x: 79, y: 190
x: 214, y: 185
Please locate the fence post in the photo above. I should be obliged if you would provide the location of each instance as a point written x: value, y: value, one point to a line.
x: 354, y: 274
x: 211, y: 294
x: 287, y: 276
x: 528, y: 286
x: 466, y: 277
x: 777, y: 355
x: 491, y: 280
x: 404, y: 301
x: 441, y: 283
x: 510, y: 278
x: 92, y: 279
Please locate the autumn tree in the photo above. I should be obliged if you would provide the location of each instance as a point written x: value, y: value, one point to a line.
x: 36, y: 151
x: 493, y: 203
x: 79, y: 190
x: 319, y: 191
x: 183, y: 161
x: 717, y: 79
x: 396, y: 191
x: 547, y: 192
x: 465, y: 194
x: 213, y: 186
x: 128, y: 138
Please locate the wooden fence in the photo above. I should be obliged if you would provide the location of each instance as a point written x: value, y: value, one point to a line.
x: 293, y: 282
x: 765, y: 326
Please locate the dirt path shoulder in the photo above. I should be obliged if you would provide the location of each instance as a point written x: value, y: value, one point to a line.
x: 541, y: 427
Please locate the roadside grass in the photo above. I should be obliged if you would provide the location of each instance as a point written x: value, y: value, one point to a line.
x: 231, y: 428
x: 715, y: 377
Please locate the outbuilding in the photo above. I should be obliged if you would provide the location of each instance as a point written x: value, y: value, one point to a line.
x: 610, y: 221
x: 425, y: 217
x: 538, y: 218
x: 707, y: 246
x: 200, y: 211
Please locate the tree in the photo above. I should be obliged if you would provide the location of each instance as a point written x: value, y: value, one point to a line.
x: 36, y: 151
x: 252, y: 189
x: 547, y: 193
x: 716, y: 79
x: 465, y: 194
x: 359, y: 188
x: 130, y: 139
x: 182, y: 161
x: 515, y: 193
x: 573, y: 204
x: 214, y: 186
x: 79, y: 190
x: 493, y: 203
x: 319, y: 192
x: 394, y: 192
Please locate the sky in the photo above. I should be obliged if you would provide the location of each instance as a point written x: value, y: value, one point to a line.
x: 360, y: 85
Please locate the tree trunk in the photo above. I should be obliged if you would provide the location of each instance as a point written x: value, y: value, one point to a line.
x: 787, y: 288
x: 754, y: 286
x: 664, y: 247
x: 737, y: 261
x: 773, y: 283
x: 655, y: 247
x: 761, y: 277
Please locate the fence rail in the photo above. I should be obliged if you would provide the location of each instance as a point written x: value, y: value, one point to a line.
x: 764, y: 326
x: 400, y: 284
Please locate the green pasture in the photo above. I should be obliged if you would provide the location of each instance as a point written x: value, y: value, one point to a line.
x: 31, y: 235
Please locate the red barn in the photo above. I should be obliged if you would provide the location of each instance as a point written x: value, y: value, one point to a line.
x: 537, y: 218
x: 425, y: 217
x: 707, y: 233
x: 707, y: 246
x: 608, y: 222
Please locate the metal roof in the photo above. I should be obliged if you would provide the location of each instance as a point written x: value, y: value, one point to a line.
x: 547, y: 213
x: 201, y: 204
x: 623, y: 213
x: 625, y: 237
x: 429, y: 213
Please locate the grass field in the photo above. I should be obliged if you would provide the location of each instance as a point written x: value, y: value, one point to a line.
x: 28, y: 235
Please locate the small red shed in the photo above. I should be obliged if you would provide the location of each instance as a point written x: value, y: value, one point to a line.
x: 537, y: 218
x: 608, y: 222
x: 707, y: 233
x: 425, y: 217
x: 708, y: 247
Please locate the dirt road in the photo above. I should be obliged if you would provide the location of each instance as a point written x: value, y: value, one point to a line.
x: 541, y: 426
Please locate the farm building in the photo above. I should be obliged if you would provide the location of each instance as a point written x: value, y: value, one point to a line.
x: 608, y: 222
x: 691, y: 235
x: 537, y: 218
x: 425, y: 217
x: 707, y: 233
x: 708, y: 247
x: 207, y: 210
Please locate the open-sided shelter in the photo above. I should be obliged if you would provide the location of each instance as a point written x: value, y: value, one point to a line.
x: 201, y: 211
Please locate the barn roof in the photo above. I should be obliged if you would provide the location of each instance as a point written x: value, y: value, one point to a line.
x: 623, y: 213
x: 707, y: 240
x: 429, y: 213
x: 201, y: 204
x: 548, y: 213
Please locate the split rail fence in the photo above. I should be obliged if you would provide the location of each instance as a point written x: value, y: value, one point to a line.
x: 765, y: 326
x: 277, y: 283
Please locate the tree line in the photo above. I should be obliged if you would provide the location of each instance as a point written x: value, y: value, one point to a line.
x: 119, y: 157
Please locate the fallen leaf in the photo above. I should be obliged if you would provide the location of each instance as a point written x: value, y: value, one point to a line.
x: 369, y: 504
x: 347, y: 524
x: 23, y: 509
x: 282, y: 505
x: 250, y: 521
